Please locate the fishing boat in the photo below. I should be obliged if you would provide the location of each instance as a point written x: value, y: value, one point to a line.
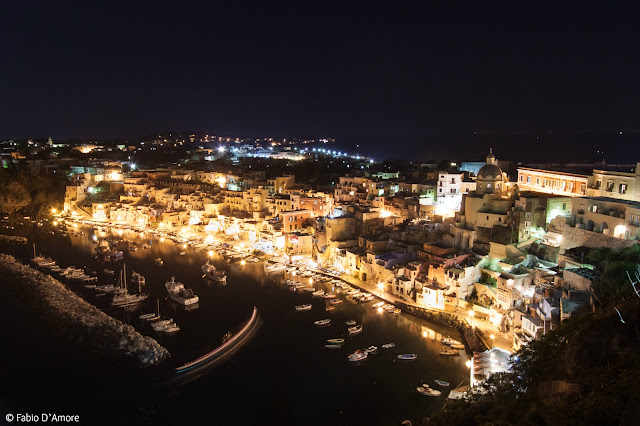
x: 180, y: 294
x: 335, y: 301
x: 350, y: 323
x: 214, y: 274
x: 388, y: 345
x: 301, y: 308
x: 356, y: 329
x: 449, y: 341
x: 322, y: 323
x: 357, y: 356
x: 338, y: 341
x: 449, y: 352
x: 407, y: 357
x: 427, y: 391
x: 442, y: 383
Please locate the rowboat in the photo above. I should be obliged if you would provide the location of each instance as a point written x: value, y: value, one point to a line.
x: 301, y: 308
x: 371, y: 349
x: 457, y: 346
x: 350, y: 322
x: 323, y: 322
x: 355, y: 329
x: 388, y: 345
x: 427, y: 391
x: 357, y: 356
x: 335, y: 301
x: 377, y: 305
x: 338, y: 341
x: 442, y: 383
x: 328, y: 346
x: 407, y: 357
x: 396, y: 311
x: 329, y: 308
x: 449, y: 352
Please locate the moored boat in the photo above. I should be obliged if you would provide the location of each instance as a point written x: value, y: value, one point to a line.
x: 356, y: 329
x: 449, y: 352
x: 323, y: 322
x: 388, y: 345
x: 350, y: 323
x: 371, y: 349
x: 338, y: 341
x: 407, y: 357
x: 442, y: 383
x: 180, y: 294
x: 427, y: 390
x: 357, y: 356
x: 301, y: 308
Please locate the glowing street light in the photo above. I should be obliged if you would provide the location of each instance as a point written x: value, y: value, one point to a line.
x: 468, y: 363
x: 54, y: 210
x: 492, y: 337
x: 243, y: 262
x: 471, y: 315
x: 380, y: 288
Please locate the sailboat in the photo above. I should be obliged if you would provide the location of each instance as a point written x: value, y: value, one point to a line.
x: 127, y: 299
x: 153, y: 316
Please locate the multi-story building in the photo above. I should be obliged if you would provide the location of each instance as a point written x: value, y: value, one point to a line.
x: 449, y: 195
x: 294, y: 220
x: 552, y: 182
x: 613, y: 184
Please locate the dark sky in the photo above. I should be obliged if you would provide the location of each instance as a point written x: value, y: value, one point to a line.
x: 410, y: 82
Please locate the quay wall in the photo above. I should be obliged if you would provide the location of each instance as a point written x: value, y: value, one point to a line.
x: 71, y: 317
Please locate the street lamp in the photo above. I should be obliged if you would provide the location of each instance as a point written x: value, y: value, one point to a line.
x: 472, y: 314
x: 492, y: 337
x: 380, y: 288
x: 54, y: 210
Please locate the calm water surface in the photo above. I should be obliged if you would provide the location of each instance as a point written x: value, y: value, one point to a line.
x: 282, y: 376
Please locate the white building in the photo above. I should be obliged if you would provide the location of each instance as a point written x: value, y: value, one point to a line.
x: 449, y: 194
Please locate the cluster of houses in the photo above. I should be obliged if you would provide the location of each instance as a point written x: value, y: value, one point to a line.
x: 512, y: 251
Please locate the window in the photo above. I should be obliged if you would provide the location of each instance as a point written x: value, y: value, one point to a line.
x: 453, y: 180
x: 527, y: 224
x: 610, y: 186
x: 528, y: 179
x: 487, y: 217
x: 537, y: 181
x: 564, y: 206
x: 527, y: 215
x: 440, y: 190
x: 623, y: 188
x: 290, y: 218
x: 546, y: 182
x: 521, y: 178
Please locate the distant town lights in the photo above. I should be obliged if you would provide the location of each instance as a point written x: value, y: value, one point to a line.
x: 221, y: 149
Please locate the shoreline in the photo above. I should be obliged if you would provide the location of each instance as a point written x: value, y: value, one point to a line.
x: 77, y: 320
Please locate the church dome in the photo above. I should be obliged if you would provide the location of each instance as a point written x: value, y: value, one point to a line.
x: 490, y: 172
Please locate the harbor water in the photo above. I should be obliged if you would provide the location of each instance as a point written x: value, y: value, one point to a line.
x: 282, y: 375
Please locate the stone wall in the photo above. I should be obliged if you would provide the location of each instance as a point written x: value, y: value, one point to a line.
x: 576, y: 237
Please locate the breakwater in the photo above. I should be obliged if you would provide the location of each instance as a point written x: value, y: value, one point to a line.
x: 76, y: 320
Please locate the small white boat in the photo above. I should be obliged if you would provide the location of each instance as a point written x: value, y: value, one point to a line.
x: 329, y: 308
x: 338, y: 341
x: 450, y: 352
x: 318, y: 293
x: 377, y: 305
x: 356, y: 329
x: 301, y: 308
x: 335, y: 301
x: 442, y: 383
x: 396, y: 311
x: 309, y: 289
x: 323, y: 322
x: 350, y: 323
x: 182, y: 253
x: 357, y: 356
x: 171, y: 328
x: 457, y: 346
x: 388, y: 345
x: 159, y: 261
x: 371, y: 349
x: 427, y: 391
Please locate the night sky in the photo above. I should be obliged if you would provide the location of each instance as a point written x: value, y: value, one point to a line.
x: 433, y: 81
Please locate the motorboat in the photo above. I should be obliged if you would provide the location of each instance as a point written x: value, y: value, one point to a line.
x: 459, y: 346
x: 396, y: 311
x: 171, y: 328
x: 357, y: 356
x: 335, y: 301
x: 407, y: 357
x: 309, y: 289
x: 377, y: 305
x: 214, y: 274
x: 442, y: 383
x: 388, y: 345
x: 329, y: 296
x: 350, y: 323
x: 449, y: 352
x: 371, y: 349
x: 301, y: 308
x: 275, y: 268
x: 153, y: 315
x: 182, y: 253
x: 322, y: 323
x: 338, y: 341
x: 318, y: 293
x: 137, y: 278
x: 329, y: 308
x: 427, y: 391
x: 356, y: 329
x: 180, y: 294
x: 449, y: 341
